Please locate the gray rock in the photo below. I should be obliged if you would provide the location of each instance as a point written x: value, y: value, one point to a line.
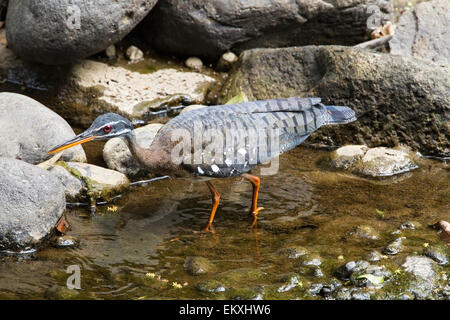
x: 118, y: 157
x: 58, y: 32
x: 73, y: 187
x: 375, y: 162
x: 345, y: 271
x: 134, y: 54
x: 437, y: 253
x: 29, y: 129
x: 423, y: 32
x: 358, y: 295
x: 197, y: 265
x: 398, y: 100
x: 174, y: 26
x: 100, y: 182
x: 394, y: 247
x: 31, y: 203
x: 194, y: 63
x: 421, y: 267
x: 291, y: 283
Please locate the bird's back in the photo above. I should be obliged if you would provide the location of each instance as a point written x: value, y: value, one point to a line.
x: 228, y: 140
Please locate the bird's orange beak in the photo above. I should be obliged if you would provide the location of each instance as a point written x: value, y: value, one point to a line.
x: 81, y: 138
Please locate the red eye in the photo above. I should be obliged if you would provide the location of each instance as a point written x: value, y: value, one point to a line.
x: 107, y: 129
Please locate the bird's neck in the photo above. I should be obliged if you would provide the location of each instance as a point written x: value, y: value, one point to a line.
x: 141, y: 154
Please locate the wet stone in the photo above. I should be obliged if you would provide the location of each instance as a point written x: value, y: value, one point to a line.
x: 345, y: 271
x: 365, y: 231
x: 408, y: 225
x: 360, y: 295
x: 312, y: 260
x: 374, y: 256
x: 315, y: 288
x: 293, y: 252
x: 197, y: 265
x: 437, y: 253
x: 66, y: 241
x: 394, y: 247
x: 210, y: 286
x: 291, y: 282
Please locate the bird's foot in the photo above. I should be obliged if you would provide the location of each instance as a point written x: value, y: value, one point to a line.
x: 207, y: 229
x: 255, y: 216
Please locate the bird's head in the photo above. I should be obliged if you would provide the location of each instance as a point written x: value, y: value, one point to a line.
x: 106, y: 126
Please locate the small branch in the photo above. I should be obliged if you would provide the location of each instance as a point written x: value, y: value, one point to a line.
x: 375, y: 43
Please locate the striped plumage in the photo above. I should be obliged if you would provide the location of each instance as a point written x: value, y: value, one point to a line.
x: 277, y: 125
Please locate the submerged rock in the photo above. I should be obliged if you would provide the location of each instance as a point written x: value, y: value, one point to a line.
x: 437, y: 253
x: 397, y: 100
x: 118, y: 157
x: 423, y: 32
x: 55, y: 32
x: 31, y: 203
x: 174, y: 26
x: 66, y: 241
x: 28, y: 130
x: 197, y: 265
x: 99, y: 182
x: 364, y: 231
x: 394, y: 247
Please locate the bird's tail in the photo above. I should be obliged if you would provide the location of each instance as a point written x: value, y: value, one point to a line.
x: 340, y: 115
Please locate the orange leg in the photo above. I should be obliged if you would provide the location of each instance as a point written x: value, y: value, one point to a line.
x: 256, y: 182
x: 215, y: 204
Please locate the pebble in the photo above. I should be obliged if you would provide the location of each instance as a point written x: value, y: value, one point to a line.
x: 110, y: 52
x: 134, y: 54
x: 394, y: 247
x: 226, y: 61
x: 66, y: 241
x: 194, y: 63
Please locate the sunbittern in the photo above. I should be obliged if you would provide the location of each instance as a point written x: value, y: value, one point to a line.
x: 221, y: 141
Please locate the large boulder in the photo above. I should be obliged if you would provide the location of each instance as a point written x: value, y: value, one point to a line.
x: 398, y: 100
x: 59, y: 32
x: 210, y: 28
x: 28, y: 129
x: 424, y: 32
x: 31, y: 203
x: 132, y: 94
